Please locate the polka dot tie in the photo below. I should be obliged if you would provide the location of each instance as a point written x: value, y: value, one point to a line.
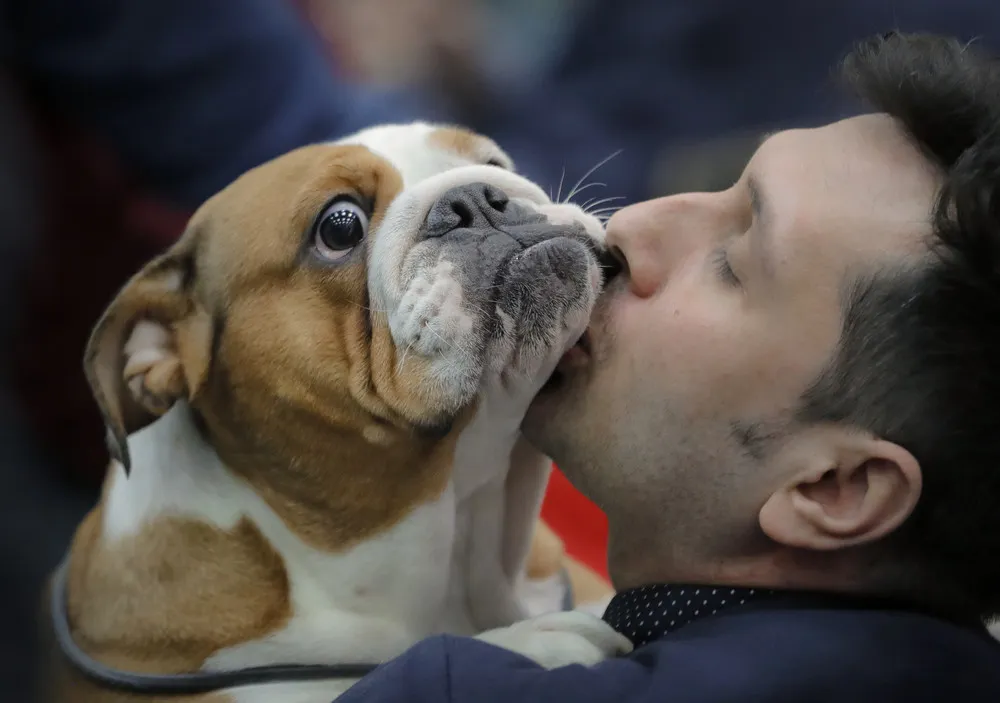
x: 648, y: 613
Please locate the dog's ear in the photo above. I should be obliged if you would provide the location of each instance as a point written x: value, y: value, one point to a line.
x: 151, y: 347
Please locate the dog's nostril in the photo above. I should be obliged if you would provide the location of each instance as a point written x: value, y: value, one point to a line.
x: 496, y: 198
x: 464, y: 213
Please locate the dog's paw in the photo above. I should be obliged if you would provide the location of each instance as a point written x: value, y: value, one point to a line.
x: 560, y: 639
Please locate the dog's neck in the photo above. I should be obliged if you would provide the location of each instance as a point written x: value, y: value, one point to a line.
x: 184, y: 551
x: 174, y: 473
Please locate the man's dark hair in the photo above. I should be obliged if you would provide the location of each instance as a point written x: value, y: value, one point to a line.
x: 919, y: 357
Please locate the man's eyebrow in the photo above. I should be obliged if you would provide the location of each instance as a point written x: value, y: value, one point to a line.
x: 760, y: 236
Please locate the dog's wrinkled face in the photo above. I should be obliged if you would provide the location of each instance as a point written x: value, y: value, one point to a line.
x: 346, y: 301
x: 472, y: 265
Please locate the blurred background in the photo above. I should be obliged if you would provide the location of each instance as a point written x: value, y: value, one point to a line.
x: 117, y: 118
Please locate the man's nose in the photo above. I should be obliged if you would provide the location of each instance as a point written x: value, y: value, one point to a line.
x: 657, y: 236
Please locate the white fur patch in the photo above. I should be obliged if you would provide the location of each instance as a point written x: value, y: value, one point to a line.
x: 406, y: 147
x: 431, y: 317
x: 174, y: 473
x: 570, y: 213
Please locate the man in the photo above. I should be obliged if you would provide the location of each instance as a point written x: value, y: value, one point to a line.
x: 789, y: 417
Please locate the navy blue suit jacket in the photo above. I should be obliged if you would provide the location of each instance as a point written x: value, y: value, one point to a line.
x: 772, y: 655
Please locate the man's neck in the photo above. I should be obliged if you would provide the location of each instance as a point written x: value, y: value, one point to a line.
x: 632, y: 566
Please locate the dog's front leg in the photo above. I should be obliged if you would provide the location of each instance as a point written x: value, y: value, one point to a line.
x: 503, y: 518
x: 490, y: 591
x: 523, y: 494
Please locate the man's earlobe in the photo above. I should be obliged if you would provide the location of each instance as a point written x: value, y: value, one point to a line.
x: 844, y: 489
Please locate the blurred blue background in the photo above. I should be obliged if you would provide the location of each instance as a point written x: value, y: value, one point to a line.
x: 118, y: 117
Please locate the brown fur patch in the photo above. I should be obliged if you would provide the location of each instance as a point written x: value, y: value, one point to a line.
x: 166, y: 599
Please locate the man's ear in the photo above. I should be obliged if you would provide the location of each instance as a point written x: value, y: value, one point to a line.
x: 845, y: 488
x: 151, y: 347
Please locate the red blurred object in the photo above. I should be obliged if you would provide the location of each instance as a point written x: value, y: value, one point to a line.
x: 580, y: 523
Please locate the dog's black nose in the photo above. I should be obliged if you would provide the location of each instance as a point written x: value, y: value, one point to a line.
x: 475, y: 206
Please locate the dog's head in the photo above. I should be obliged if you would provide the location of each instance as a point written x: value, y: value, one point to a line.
x: 345, y: 302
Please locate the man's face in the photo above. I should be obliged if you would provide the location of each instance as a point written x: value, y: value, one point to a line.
x: 731, y: 306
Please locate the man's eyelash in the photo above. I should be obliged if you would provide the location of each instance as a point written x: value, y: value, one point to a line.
x: 724, y: 270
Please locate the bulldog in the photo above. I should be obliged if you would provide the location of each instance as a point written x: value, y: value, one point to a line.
x: 313, y: 403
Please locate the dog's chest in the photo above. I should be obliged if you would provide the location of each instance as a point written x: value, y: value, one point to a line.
x: 364, y: 604
x: 390, y: 588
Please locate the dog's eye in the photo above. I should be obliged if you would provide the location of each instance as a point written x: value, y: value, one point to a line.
x: 339, y: 229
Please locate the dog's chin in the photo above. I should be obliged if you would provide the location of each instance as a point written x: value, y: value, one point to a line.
x: 573, y: 361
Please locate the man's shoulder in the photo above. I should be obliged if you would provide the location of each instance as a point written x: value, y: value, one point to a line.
x: 767, y: 656
x: 831, y: 655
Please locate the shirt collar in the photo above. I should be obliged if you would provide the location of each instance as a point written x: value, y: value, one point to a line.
x: 648, y: 613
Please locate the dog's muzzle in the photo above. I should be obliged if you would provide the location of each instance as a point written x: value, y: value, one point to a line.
x: 481, y: 216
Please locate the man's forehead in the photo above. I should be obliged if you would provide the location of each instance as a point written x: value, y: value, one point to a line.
x: 862, y: 171
x: 855, y: 153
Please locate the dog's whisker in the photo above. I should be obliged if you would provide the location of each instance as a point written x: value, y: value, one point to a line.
x: 458, y: 349
x: 602, y: 201
x: 367, y: 308
x: 604, y: 210
x: 402, y: 358
x: 559, y: 191
x: 589, y: 173
x: 579, y: 190
x: 482, y: 311
x: 490, y: 287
